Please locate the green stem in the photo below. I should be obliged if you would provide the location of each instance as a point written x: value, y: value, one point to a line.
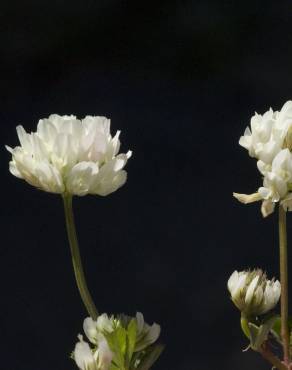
x: 284, y: 283
x: 76, y: 258
x: 269, y: 356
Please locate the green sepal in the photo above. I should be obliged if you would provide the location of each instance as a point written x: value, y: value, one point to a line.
x: 244, y: 326
x: 150, y: 357
x: 131, y: 340
x: 259, y: 334
x: 114, y: 367
x: 117, y: 341
x: 276, y: 329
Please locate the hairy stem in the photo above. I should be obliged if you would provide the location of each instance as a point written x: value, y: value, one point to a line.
x: 284, y: 283
x: 76, y: 258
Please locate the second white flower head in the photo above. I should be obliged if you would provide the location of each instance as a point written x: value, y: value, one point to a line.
x: 269, y: 139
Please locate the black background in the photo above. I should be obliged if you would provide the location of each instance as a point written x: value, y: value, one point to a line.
x: 181, y: 79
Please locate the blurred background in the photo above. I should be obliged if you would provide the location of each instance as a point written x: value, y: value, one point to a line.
x: 181, y: 79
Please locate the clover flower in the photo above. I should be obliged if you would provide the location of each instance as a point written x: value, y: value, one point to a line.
x: 68, y: 155
x: 87, y: 359
x: 252, y: 293
x: 117, y: 341
x: 269, y: 140
x: 145, y: 334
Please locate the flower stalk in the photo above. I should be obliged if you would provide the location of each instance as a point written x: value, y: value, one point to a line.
x: 284, y: 283
x: 76, y: 258
x: 274, y: 360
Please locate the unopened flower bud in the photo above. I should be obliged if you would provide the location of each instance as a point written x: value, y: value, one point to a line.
x: 252, y: 293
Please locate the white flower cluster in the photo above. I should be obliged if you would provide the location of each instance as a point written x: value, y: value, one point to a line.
x: 269, y: 140
x: 101, y: 357
x: 252, y: 293
x: 67, y: 155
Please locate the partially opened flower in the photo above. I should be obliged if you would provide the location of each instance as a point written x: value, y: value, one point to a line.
x: 146, y: 334
x: 67, y: 155
x: 270, y: 141
x: 252, y: 293
x: 121, y: 341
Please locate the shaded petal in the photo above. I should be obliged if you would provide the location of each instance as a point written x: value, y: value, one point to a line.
x: 84, y: 357
x: 267, y: 208
x: 247, y: 198
x: 90, y: 329
x: 81, y: 178
x: 105, y: 355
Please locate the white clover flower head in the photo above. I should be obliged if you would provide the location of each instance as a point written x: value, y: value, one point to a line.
x: 68, y: 155
x: 252, y: 293
x: 146, y: 334
x: 270, y: 141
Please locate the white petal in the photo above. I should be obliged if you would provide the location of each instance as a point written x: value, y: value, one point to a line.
x: 251, y: 290
x: 47, y: 132
x: 153, y: 333
x: 82, y: 178
x: 140, y: 322
x: 24, y: 138
x: 267, y: 208
x: 49, y: 178
x: 84, y: 357
x: 111, y: 183
x: 247, y: 198
x: 104, y: 324
x: 105, y: 355
x: 232, y: 281
x: 90, y: 329
x: 13, y: 169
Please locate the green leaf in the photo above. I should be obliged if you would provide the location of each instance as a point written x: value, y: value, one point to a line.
x: 117, y: 341
x: 131, y: 339
x: 254, y: 332
x: 244, y: 326
x: 114, y: 367
x: 259, y: 334
x: 276, y: 330
x: 151, y: 355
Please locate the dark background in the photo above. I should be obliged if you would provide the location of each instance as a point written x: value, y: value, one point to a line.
x: 181, y: 79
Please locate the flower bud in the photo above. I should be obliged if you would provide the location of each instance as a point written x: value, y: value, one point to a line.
x: 252, y: 293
